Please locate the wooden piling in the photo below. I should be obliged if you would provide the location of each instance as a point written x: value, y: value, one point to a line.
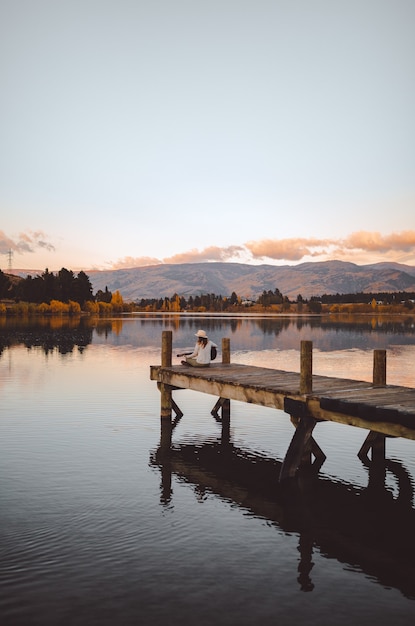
x: 166, y: 348
x: 226, y: 350
x: 379, y: 368
x: 223, y: 404
x: 306, y: 367
x: 166, y: 400
x: 297, y: 448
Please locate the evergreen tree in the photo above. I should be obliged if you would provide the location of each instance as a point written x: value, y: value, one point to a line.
x: 83, y: 289
x: 103, y: 296
x: 66, y: 285
x: 4, y: 285
x: 51, y: 286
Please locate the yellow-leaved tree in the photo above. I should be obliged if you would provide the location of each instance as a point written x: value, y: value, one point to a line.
x: 117, y: 302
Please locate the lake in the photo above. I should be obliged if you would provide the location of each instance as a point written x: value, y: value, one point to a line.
x: 100, y: 524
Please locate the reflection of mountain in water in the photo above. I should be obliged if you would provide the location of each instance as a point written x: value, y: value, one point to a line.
x: 272, y: 333
x: 48, y: 334
x: 365, y: 528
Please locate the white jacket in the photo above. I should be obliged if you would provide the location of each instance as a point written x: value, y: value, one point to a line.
x: 202, y: 354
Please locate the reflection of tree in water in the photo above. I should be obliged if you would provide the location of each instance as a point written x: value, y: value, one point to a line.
x: 275, y: 324
x: 49, y: 334
x: 358, y: 324
x: 369, y: 324
x: 104, y: 328
x: 184, y: 323
x: 272, y: 326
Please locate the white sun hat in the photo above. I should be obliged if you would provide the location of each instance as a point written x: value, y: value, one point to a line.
x: 201, y: 333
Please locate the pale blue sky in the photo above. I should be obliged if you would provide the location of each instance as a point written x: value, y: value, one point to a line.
x: 252, y: 130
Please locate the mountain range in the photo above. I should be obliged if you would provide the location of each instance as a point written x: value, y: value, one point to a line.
x: 249, y: 281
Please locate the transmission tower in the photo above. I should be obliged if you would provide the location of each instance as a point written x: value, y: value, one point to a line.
x: 10, y: 260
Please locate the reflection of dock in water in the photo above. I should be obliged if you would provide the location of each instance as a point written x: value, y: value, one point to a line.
x: 366, y: 528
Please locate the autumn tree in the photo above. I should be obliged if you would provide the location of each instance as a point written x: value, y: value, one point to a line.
x: 117, y: 302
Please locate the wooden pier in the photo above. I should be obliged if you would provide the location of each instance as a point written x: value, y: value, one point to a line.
x: 384, y: 410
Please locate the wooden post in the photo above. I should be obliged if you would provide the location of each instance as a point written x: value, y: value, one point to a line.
x: 306, y: 367
x: 296, y: 448
x: 166, y: 401
x: 166, y: 348
x: 166, y: 361
x: 226, y: 350
x: 223, y: 404
x: 379, y: 368
x: 298, y: 410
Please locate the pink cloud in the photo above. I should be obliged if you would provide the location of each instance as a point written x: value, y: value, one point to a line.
x: 27, y: 241
x: 212, y: 253
x: 129, y: 261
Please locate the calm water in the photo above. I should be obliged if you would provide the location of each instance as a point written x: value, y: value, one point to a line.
x: 101, y: 525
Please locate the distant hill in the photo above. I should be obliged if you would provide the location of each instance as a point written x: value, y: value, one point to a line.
x: 307, y: 279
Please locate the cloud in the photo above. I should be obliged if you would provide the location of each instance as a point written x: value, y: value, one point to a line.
x: 28, y: 241
x: 293, y: 249
x: 359, y: 247
x: 358, y: 243
x: 6, y: 243
x: 130, y: 261
x: 39, y: 240
x: 212, y: 253
x: 375, y: 242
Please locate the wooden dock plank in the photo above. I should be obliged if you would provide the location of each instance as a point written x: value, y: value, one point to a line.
x: 383, y: 410
x: 389, y: 409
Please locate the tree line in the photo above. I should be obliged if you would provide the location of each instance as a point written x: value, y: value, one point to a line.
x: 217, y: 303
x: 64, y: 286
x: 396, y: 297
x: 48, y: 290
x: 274, y: 299
x: 63, y: 292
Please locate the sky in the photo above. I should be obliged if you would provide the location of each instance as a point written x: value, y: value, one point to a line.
x: 138, y: 132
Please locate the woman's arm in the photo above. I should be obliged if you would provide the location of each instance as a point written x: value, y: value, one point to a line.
x: 195, y: 351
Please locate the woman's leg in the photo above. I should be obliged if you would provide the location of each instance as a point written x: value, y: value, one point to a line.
x: 194, y: 363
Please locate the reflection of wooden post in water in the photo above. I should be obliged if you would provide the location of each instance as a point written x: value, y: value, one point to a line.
x: 226, y: 422
x: 164, y: 459
x: 306, y: 564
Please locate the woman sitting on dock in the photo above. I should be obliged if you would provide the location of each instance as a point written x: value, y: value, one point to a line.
x: 201, y: 355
